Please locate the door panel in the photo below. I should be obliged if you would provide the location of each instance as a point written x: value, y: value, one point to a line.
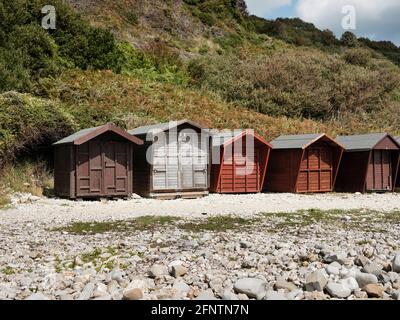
x: 102, y: 168
x: 316, y: 170
x: 379, y: 176
x: 193, y: 161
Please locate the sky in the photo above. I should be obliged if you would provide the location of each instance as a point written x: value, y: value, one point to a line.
x: 375, y: 19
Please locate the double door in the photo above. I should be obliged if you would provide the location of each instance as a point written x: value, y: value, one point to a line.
x: 102, y: 169
x: 180, y: 163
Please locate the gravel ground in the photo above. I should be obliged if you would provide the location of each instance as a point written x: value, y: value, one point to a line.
x: 244, y: 248
x: 59, y: 211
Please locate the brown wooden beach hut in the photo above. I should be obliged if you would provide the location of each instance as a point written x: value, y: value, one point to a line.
x: 303, y: 163
x: 369, y: 164
x: 240, y: 161
x: 173, y: 162
x: 94, y: 163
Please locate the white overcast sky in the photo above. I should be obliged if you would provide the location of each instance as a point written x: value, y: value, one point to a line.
x: 376, y: 19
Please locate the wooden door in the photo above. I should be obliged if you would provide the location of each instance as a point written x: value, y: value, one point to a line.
x: 246, y: 169
x: 379, y: 177
x: 89, y: 169
x: 165, y: 165
x: 316, y: 170
x: 116, y: 159
x: 102, y: 169
x: 193, y: 161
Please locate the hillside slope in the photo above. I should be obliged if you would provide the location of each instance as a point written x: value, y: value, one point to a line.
x: 135, y: 62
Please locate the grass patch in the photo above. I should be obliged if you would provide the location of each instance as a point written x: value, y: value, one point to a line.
x: 217, y: 224
x: 138, y: 224
x: 8, y: 271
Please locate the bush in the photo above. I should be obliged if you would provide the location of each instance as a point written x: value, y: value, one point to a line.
x: 297, y: 83
x: 359, y: 57
x: 27, y: 122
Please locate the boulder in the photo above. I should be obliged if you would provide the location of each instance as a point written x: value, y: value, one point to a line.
x: 157, y: 271
x: 365, y: 278
x: 282, y: 284
x: 396, y: 263
x: 350, y: 283
x: 338, y: 290
x: 132, y: 294
x: 252, y: 287
x: 38, y: 296
x: 274, y: 295
x: 178, y: 270
x: 316, y: 281
x: 373, y: 290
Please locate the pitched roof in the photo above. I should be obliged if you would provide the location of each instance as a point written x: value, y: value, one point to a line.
x: 299, y: 141
x: 228, y: 137
x: 85, y: 135
x: 162, y: 127
x: 361, y: 142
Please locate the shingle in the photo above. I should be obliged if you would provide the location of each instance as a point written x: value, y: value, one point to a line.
x: 295, y: 141
x: 73, y: 137
x: 361, y: 142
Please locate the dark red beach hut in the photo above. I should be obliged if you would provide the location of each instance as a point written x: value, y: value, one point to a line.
x: 240, y: 161
x: 398, y: 170
x: 303, y: 163
x: 95, y: 162
x: 370, y: 163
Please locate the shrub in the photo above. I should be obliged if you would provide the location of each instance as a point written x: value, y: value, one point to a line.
x: 358, y: 56
x: 27, y: 122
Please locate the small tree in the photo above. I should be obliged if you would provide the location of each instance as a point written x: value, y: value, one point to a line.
x: 349, y: 39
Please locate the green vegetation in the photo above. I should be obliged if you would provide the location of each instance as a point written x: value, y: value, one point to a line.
x: 138, y: 224
x: 204, y: 59
x: 8, y: 271
x: 217, y: 224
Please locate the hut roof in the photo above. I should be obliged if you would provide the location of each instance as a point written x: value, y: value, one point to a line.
x: 363, y: 142
x: 224, y: 138
x: 85, y: 135
x: 299, y: 141
x: 152, y: 129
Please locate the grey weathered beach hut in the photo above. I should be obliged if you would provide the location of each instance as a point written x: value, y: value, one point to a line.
x: 173, y: 162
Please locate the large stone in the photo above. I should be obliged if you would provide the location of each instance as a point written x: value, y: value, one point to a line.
x: 38, y: 296
x: 372, y: 268
x: 365, y: 278
x: 361, y: 261
x: 229, y: 295
x: 138, y: 284
x: 274, y: 295
x: 350, y: 283
x: 181, y: 287
x: 373, y: 290
x: 206, y: 295
x: 157, y: 271
x: 396, y: 295
x: 87, y: 292
x: 338, y: 290
x: 333, y: 268
x: 396, y: 263
x: 132, y: 294
x: 252, y: 287
x: 316, y: 281
x: 282, y: 284
x: 178, y: 271
x: 339, y: 257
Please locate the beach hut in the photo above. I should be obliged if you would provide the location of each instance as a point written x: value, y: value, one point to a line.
x: 94, y: 163
x: 239, y: 162
x: 303, y: 164
x: 398, y: 170
x: 369, y: 164
x: 173, y: 162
